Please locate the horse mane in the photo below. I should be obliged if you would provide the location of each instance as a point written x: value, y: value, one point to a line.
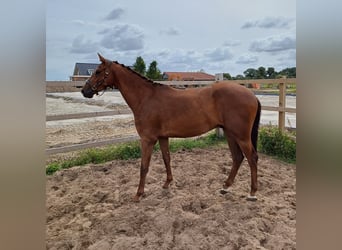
x: 138, y: 74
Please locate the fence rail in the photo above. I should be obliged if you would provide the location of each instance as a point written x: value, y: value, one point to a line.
x: 79, y: 146
x: 87, y: 115
x: 281, y: 109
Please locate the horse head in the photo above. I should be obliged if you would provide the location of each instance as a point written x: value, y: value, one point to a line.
x: 100, y: 80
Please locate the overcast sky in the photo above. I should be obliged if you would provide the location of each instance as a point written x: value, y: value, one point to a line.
x: 181, y: 35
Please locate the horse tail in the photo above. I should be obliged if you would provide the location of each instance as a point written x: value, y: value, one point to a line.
x: 255, y: 129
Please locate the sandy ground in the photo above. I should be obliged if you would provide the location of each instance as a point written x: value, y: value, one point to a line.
x: 91, y: 207
x: 73, y: 131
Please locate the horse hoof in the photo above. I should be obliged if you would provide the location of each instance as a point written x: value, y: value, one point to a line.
x: 223, y: 191
x: 167, y: 184
x: 252, y: 198
x: 136, y: 198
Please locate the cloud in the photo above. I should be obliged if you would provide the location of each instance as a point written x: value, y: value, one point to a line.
x: 79, y: 22
x: 247, y: 59
x: 268, y: 23
x: 179, y: 56
x: 288, y: 56
x: 172, y: 31
x: 176, y: 59
x: 189, y: 59
x: 218, y: 54
x: 274, y: 44
x: 232, y: 43
x: 81, y: 46
x: 115, y: 14
x: 123, y: 37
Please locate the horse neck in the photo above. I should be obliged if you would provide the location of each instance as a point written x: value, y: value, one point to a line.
x: 133, y: 87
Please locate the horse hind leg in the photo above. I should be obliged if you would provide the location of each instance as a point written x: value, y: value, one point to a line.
x: 237, y: 157
x: 252, y: 158
x: 164, y: 147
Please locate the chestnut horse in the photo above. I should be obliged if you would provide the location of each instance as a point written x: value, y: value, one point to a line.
x: 161, y: 112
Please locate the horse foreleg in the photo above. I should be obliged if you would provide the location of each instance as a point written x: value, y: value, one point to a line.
x: 237, y: 157
x: 164, y: 147
x: 146, y: 152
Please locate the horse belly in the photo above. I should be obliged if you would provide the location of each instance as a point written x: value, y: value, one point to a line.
x: 188, y: 125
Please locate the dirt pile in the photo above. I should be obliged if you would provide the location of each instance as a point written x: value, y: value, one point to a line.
x: 91, y: 207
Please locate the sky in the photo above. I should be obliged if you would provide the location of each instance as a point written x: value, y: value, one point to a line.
x: 217, y: 36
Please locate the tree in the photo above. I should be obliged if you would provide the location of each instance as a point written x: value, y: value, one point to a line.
x: 227, y: 76
x: 250, y: 73
x: 153, y: 72
x: 261, y: 73
x: 271, y: 73
x: 139, y: 66
x: 239, y: 77
x: 288, y: 72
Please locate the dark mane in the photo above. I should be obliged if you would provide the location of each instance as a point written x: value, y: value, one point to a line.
x: 138, y: 74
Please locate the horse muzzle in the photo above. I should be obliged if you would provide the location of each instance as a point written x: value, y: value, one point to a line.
x: 89, y: 93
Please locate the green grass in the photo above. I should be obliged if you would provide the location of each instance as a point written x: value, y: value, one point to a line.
x: 129, y: 150
x: 270, y: 142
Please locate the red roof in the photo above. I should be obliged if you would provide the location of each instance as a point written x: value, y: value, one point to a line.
x: 188, y: 76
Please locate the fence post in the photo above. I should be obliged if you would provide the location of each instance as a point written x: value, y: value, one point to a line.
x: 282, y: 105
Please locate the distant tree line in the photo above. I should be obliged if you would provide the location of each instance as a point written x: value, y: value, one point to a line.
x: 262, y: 73
x: 154, y: 73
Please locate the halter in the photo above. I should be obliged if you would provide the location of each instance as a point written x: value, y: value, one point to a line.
x: 94, y: 88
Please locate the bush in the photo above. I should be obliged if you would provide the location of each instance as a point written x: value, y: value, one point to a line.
x: 273, y: 142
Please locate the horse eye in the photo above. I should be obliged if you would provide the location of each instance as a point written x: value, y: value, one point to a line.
x: 97, y: 72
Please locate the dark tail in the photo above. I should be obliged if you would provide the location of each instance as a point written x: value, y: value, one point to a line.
x: 255, y: 128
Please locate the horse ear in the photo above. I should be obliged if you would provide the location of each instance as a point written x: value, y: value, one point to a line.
x: 102, y: 59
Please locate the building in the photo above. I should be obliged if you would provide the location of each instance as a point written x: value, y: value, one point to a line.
x: 187, y: 76
x: 82, y: 71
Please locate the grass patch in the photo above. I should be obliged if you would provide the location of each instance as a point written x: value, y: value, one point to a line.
x: 129, y: 150
x: 202, y: 142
